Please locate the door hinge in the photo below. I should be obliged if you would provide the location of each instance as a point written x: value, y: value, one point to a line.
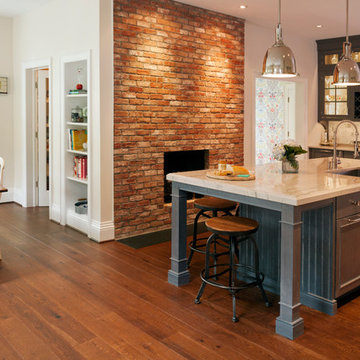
x: 37, y: 183
x: 288, y: 99
x: 36, y: 134
x: 36, y: 84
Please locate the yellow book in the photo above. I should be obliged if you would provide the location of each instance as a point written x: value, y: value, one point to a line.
x: 79, y: 138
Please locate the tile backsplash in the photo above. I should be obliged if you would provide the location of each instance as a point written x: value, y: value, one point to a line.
x: 345, y: 134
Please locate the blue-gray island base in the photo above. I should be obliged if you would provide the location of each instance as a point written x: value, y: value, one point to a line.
x: 297, y: 215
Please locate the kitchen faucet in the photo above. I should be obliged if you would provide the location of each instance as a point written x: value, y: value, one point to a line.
x: 335, y: 160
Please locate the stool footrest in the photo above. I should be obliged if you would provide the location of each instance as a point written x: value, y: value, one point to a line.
x: 234, y: 288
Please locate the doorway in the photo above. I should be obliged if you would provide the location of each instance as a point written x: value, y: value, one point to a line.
x: 275, y: 116
x: 37, y: 96
x: 42, y: 180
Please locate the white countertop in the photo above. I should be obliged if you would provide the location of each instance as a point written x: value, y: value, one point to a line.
x: 313, y: 183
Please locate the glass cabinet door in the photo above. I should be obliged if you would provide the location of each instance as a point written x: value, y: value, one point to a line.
x: 331, y: 59
x: 335, y: 101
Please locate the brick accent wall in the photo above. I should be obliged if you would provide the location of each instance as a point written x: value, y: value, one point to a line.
x: 178, y: 85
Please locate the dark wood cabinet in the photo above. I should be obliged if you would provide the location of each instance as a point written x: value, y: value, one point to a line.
x: 336, y: 103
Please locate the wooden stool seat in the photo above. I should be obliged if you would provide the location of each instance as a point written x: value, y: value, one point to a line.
x: 232, y: 225
x: 209, y: 203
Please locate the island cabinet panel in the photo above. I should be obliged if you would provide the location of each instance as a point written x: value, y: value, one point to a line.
x: 268, y: 240
x: 317, y: 253
x: 347, y: 243
x: 317, y: 259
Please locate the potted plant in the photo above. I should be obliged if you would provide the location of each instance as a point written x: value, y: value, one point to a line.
x: 286, y: 152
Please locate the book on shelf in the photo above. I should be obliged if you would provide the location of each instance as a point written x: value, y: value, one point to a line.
x: 77, y: 92
x: 77, y: 139
x: 80, y: 167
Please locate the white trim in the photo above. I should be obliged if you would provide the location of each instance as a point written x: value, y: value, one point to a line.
x: 24, y: 197
x: 304, y: 123
x: 77, y: 221
x: 68, y: 216
x: 102, y: 231
x: 54, y: 209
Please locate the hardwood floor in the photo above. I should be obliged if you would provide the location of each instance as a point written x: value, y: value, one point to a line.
x: 63, y: 296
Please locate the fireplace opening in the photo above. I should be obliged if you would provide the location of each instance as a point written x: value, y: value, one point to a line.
x: 178, y: 161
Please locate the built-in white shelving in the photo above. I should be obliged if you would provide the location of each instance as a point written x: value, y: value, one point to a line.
x: 76, y: 95
x: 77, y: 152
x: 76, y: 161
x: 82, y: 181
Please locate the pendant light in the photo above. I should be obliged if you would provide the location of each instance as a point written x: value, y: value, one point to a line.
x: 346, y: 71
x: 279, y: 60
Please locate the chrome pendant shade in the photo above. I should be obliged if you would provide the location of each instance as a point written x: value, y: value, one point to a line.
x: 279, y: 60
x: 346, y: 71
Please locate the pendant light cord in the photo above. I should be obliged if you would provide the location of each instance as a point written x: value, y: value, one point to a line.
x: 279, y: 11
x: 347, y: 21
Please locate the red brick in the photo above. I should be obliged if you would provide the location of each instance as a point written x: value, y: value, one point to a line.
x: 178, y: 85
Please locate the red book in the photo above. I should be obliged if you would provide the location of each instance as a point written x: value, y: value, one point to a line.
x: 75, y: 167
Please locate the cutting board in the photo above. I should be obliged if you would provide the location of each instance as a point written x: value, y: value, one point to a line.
x: 211, y: 174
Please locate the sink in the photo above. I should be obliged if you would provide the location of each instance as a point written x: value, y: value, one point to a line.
x: 349, y: 172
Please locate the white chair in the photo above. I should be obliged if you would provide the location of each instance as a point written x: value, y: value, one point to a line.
x: 2, y: 165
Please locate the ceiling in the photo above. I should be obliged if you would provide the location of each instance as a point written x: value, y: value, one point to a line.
x: 17, y: 7
x: 297, y: 16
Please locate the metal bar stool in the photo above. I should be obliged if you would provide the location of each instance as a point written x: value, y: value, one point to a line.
x: 207, y: 204
x: 237, y: 230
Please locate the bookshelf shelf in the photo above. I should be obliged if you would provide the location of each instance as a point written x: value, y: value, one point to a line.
x: 76, y: 163
x: 76, y: 95
x: 77, y: 124
x: 81, y: 181
x: 77, y: 152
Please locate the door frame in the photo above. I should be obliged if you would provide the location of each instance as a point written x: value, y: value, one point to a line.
x: 301, y: 111
x: 29, y: 128
x: 41, y: 194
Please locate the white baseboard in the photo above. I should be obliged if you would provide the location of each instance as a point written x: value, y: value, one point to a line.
x: 97, y: 231
x: 77, y: 221
x: 102, y: 231
x: 55, y: 213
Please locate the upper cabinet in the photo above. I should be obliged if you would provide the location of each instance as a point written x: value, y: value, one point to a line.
x: 336, y: 103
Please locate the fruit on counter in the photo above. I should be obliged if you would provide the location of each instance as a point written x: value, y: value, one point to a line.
x: 240, y: 170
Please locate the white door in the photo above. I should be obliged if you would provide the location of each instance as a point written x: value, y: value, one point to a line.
x: 43, y: 138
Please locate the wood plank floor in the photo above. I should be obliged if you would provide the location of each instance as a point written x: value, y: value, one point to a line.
x: 63, y: 296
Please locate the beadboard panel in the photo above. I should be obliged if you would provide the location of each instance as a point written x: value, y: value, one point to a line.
x: 317, y: 253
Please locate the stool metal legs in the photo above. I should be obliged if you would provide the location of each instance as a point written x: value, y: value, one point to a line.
x: 232, y: 277
x: 193, y: 244
x: 211, y: 239
x: 231, y: 268
x: 259, y: 276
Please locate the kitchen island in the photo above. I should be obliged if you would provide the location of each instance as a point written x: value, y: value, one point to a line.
x: 298, y: 216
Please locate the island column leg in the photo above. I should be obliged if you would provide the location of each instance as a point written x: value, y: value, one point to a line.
x: 289, y: 323
x: 178, y: 274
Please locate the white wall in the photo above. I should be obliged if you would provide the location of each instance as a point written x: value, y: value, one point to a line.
x: 6, y: 106
x: 257, y: 41
x: 60, y: 28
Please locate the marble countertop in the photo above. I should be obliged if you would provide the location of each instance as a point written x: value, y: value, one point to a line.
x: 314, y: 182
